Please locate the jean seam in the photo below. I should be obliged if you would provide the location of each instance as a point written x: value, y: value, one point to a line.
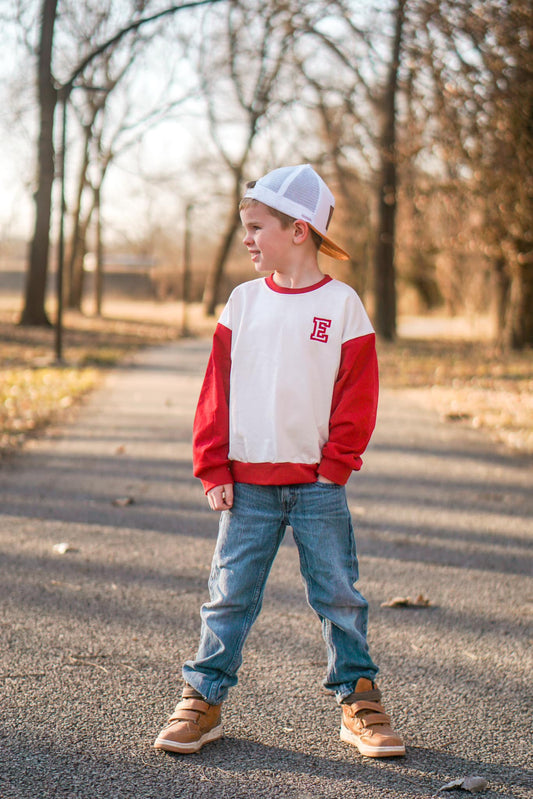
x: 248, y: 621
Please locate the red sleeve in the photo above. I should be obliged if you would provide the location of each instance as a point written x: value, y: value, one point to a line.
x: 353, y: 409
x: 210, y: 443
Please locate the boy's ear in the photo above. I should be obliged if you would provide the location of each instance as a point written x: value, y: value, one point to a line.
x: 301, y: 231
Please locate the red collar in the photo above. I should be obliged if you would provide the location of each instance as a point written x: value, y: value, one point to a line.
x: 281, y: 290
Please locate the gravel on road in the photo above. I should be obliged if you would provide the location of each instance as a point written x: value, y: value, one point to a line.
x: 94, y: 632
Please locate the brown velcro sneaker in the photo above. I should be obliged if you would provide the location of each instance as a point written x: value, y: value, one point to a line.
x: 366, y: 725
x: 193, y: 723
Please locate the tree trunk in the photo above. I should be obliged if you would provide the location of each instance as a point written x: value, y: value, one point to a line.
x: 34, y: 312
x: 36, y: 277
x: 77, y: 275
x: 516, y: 330
x: 213, y: 282
x: 501, y: 294
x: 77, y: 246
x: 77, y: 256
x: 524, y: 314
x: 384, y: 267
x: 186, y: 276
x: 99, y: 274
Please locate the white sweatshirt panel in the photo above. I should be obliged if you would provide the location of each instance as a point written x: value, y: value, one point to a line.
x: 286, y: 345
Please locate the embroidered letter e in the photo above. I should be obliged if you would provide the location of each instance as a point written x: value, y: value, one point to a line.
x: 320, y: 326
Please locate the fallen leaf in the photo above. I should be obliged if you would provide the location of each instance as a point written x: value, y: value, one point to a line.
x: 63, y: 548
x: 451, y: 786
x: 470, y: 784
x: 407, y: 602
x: 122, y: 502
x: 475, y: 784
x: 457, y: 417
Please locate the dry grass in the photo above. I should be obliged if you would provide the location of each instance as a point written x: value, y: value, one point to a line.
x: 468, y: 382
x: 35, y: 390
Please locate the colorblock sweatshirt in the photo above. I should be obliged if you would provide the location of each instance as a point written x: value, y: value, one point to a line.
x: 290, y: 389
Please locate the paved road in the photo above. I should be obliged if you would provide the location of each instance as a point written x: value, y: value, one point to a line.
x: 93, y: 639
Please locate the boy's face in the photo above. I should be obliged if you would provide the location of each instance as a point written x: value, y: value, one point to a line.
x: 270, y: 245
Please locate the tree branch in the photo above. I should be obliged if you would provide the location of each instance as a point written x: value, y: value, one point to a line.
x: 67, y: 87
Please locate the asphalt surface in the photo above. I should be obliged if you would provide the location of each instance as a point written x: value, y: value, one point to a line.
x: 93, y: 639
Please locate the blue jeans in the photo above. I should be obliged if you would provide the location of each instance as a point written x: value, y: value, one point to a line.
x: 249, y: 537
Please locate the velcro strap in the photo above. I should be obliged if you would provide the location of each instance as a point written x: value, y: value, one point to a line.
x: 184, y: 715
x: 361, y: 696
x: 192, y: 704
x: 358, y: 706
x: 375, y: 718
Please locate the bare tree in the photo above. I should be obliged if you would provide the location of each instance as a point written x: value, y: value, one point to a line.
x: 455, y: 111
x: 34, y: 311
x: 369, y: 108
x: 428, y: 100
x: 473, y: 68
x: 241, y: 86
x: 384, y: 261
x: 107, y: 135
x: 330, y: 113
x: 504, y: 159
x: 80, y: 220
x: 50, y: 91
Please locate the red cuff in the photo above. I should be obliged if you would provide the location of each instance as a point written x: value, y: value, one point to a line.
x: 216, y: 477
x: 335, y: 470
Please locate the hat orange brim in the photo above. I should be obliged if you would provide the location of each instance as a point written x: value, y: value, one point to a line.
x: 328, y: 247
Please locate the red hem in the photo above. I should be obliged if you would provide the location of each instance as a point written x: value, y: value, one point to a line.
x: 274, y: 473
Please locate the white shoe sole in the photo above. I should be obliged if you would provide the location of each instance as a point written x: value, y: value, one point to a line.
x: 193, y: 746
x: 370, y: 751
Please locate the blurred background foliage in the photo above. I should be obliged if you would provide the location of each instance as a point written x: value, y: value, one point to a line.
x: 151, y: 116
x: 418, y: 113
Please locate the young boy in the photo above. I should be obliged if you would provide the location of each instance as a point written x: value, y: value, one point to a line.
x: 287, y: 407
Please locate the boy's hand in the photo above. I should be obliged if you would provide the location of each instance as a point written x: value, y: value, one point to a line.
x: 322, y: 479
x: 221, y: 497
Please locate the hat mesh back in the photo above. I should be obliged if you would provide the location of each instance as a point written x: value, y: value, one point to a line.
x: 274, y: 180
x: 304, y: 190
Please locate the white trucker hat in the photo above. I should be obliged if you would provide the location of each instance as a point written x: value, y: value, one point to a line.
x: 299, y: 192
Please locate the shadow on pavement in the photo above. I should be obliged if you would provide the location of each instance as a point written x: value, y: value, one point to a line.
x: 237, y: 768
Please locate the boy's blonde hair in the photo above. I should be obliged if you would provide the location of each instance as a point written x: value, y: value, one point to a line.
x: 284, y: 219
